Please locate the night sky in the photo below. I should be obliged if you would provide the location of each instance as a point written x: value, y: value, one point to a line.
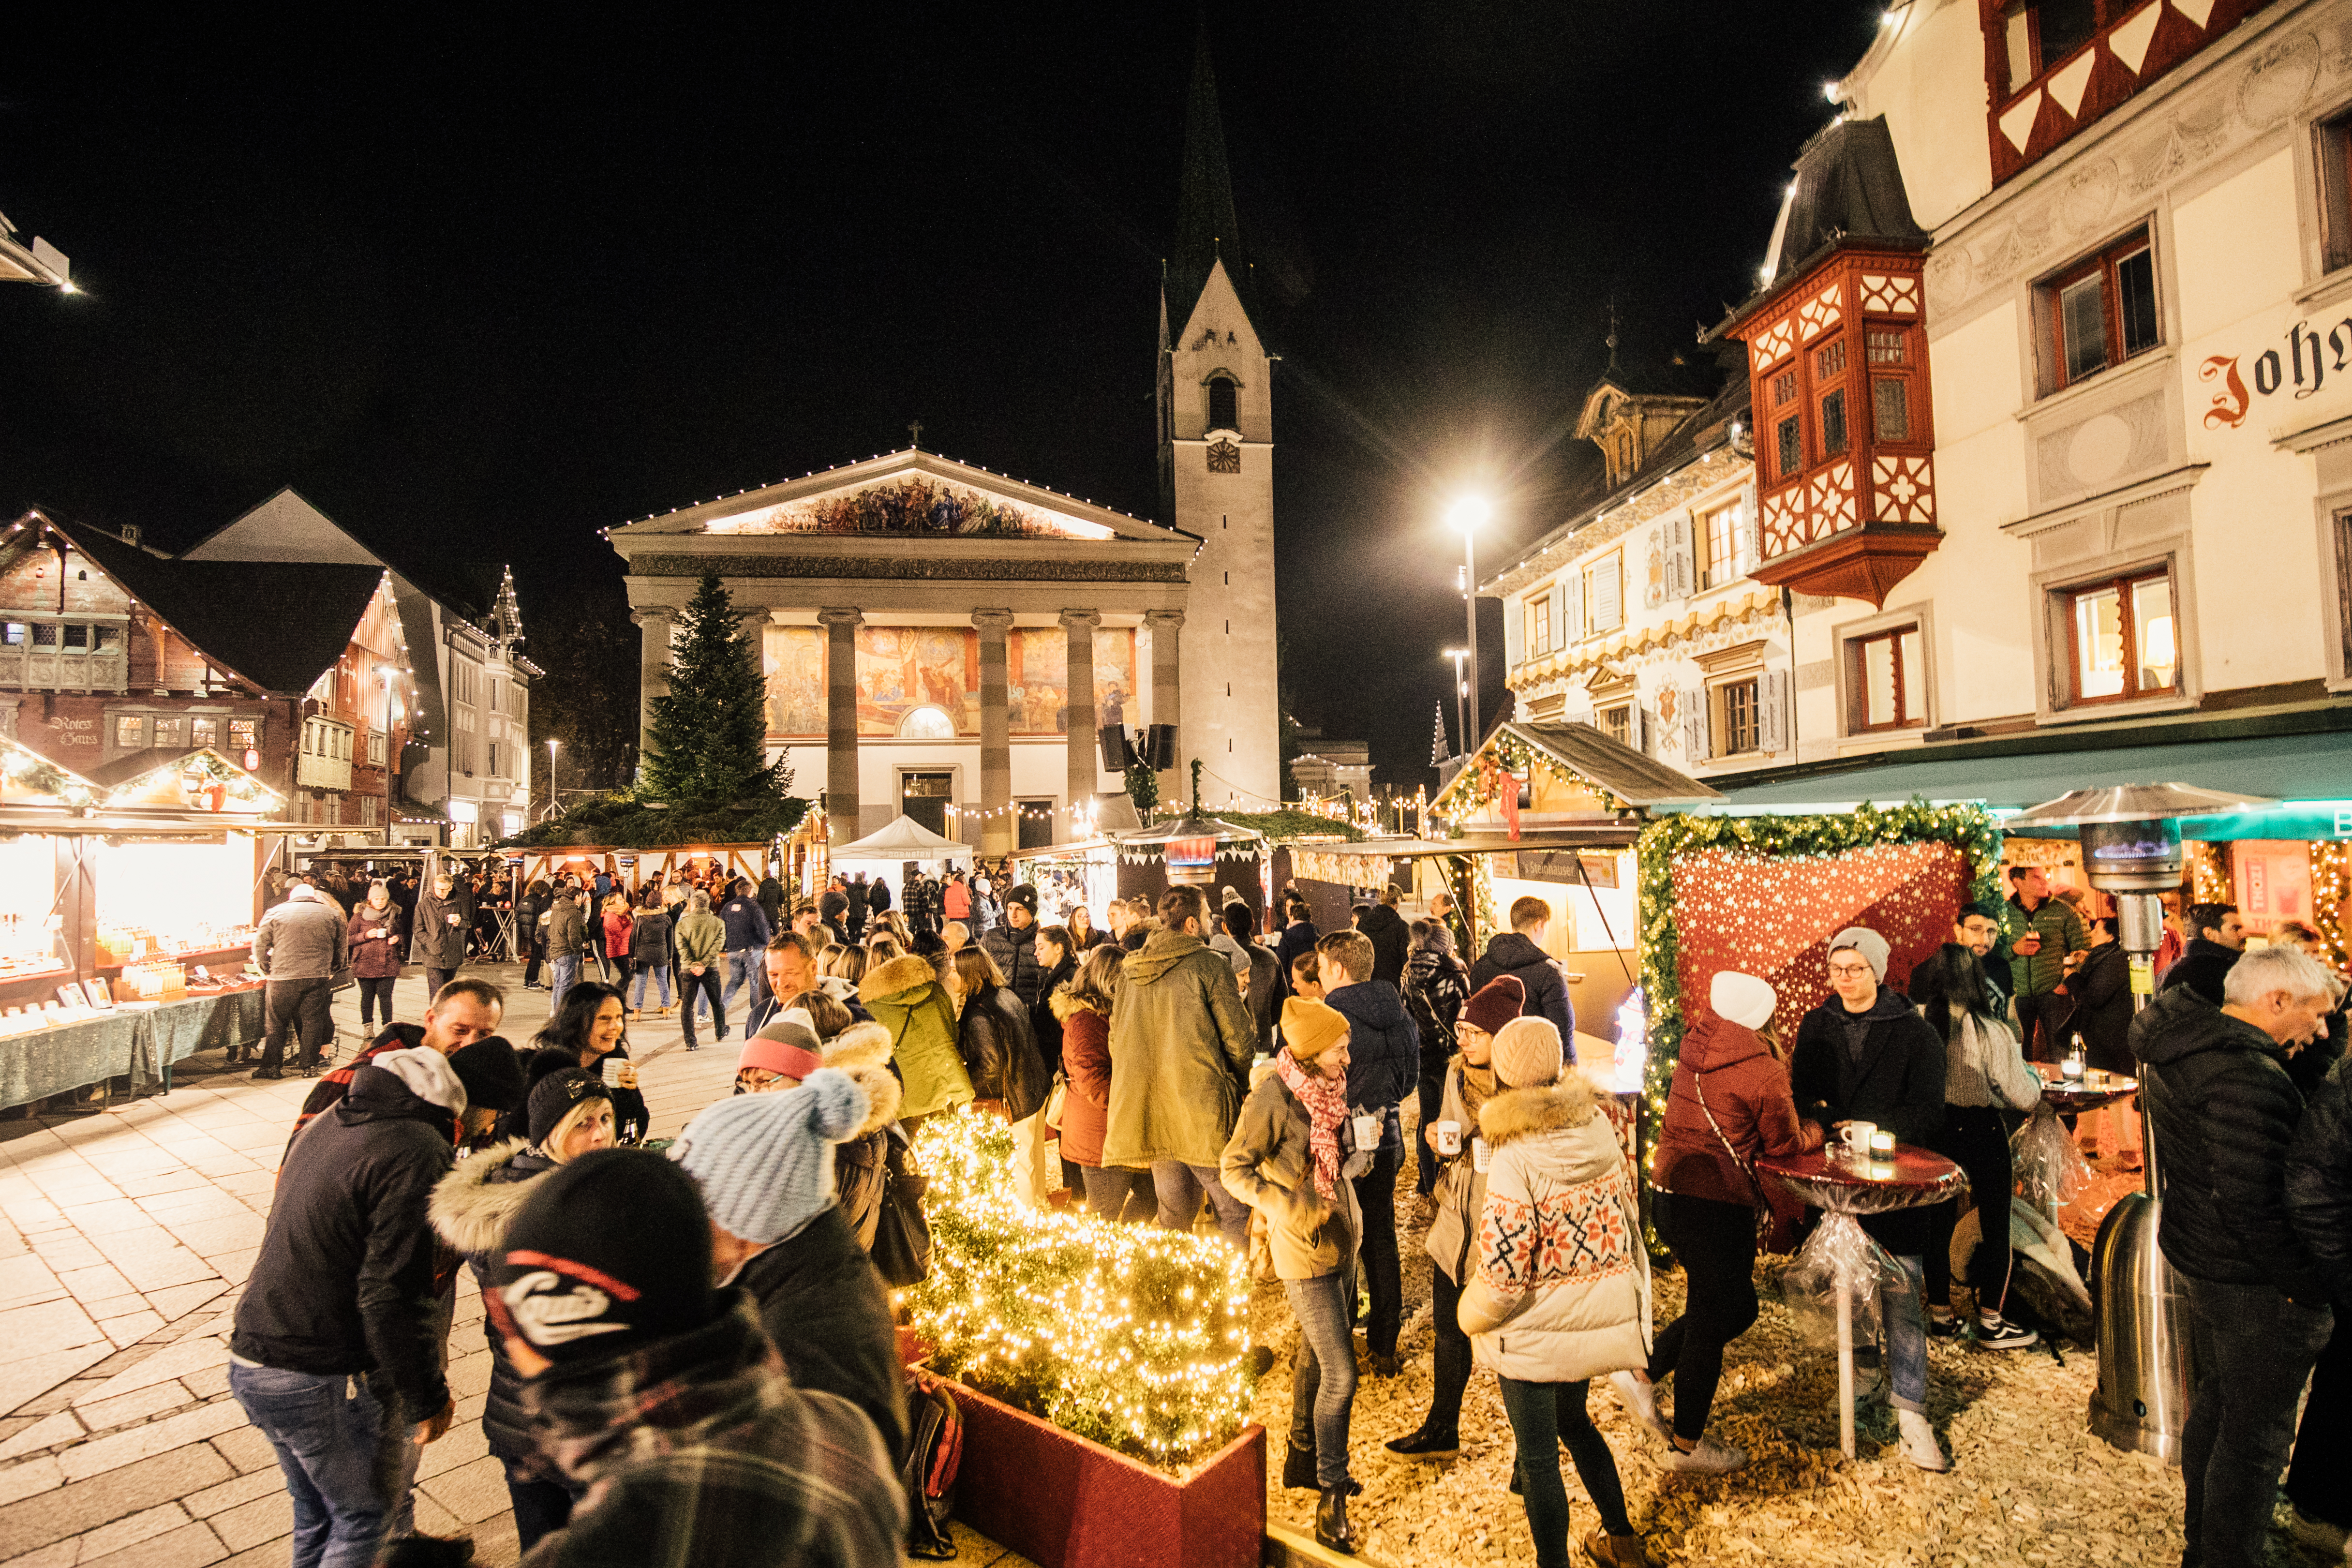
x: 483, y: 284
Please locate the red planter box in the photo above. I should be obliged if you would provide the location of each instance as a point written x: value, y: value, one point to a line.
x: 1063, y: 1502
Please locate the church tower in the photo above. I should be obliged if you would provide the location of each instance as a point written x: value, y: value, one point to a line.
x: 1216, y: 480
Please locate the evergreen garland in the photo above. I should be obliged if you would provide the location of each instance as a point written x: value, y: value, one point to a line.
x: 709, y: 732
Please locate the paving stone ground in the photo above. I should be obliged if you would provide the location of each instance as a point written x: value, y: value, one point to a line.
x: 126, y: 1234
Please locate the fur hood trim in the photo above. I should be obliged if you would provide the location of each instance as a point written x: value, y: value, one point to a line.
x: 1524, y: 1113
x: 863, y: 1051
x: 1065, y: 1005
x: 468, y: 1210
x: 908, y: 972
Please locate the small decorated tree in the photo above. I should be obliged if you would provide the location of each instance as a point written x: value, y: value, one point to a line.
x: 708, y: 733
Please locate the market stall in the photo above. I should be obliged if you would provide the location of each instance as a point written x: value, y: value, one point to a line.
x: 637, y: 867
x: 891, y: 850
x: 1083, y: 872
x: 127, y: 906
x: 1195, y: 851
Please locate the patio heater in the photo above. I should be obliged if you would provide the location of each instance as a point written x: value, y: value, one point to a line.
x: 2131, y: 849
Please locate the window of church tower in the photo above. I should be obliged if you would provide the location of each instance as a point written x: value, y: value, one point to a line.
x: 1224, y: 401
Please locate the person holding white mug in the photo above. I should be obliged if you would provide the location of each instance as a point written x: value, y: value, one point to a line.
x: 1865, y: 1054
x: 1452, y: 1136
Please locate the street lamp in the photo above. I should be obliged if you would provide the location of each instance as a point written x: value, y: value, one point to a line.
x: 1466, y: 514
x: 1461, y: 695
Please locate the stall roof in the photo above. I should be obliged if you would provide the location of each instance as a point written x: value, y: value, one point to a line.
x: 2283, y: 768
x: 903, y: 839
x: 1632, y: 777
x: 1592, y: 835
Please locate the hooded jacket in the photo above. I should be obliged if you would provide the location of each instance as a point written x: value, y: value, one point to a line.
x: 696, y: 1449
x: 303, y: 938
x: 863, y: 1051
x: 1000, y: 1056
x: 336, y: 1082
x: 1897, y: 1083
x: 1015, y: 953
x: 438, y: 932
x: 701, y: 939
x: 470, y: 1208
x: 829, y: 1314
x: 1267, y: 1164
x: 746, y: 923
x: 1383, y: 1052
x: 344, y: 1280
x: 1516, y: 955
x: 1392, y: 941
x: 1086, y: 1064
x: 567, y: 927
x: 906, y: 999
x: 2204, y: 965
x: 1183, y: 1041
x: 1560, y: 1290
x: 1748, y: 1089
x: 649, y: 939
x: 2224, y: 1115
x: 2319, y: 1186
x: 373, y: 938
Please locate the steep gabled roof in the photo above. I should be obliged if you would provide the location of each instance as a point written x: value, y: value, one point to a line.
x: 1848, y: 192
x: 279, y: 625
x: 287, y: 527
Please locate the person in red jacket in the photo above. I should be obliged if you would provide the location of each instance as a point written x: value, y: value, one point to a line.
x: 1729, y: 1103
x: 378, y: 931
x: 1083, y: 1003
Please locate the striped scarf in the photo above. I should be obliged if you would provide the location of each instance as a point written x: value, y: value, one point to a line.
x: 1325, y: 1100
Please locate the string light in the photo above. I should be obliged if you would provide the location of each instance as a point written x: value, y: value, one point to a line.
x: 1128, y: 1336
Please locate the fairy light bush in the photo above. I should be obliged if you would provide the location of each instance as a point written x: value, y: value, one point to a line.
x: 1126, y: 1335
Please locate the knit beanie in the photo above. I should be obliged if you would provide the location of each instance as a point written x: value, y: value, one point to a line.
x: 1498, y: 1002
x: 491, y: 1073
x: 609, y: 1252
x: 1865, y: 941
x: 1741, y: 999
x: 1528, y: 1053
x: 1309, y: 1029
x: 555, y: 1096
x: 784, y: 1047
x: 1025, y: 896
x: 765, y: 1160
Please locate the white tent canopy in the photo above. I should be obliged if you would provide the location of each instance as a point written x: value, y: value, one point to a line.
x: 903, y: 840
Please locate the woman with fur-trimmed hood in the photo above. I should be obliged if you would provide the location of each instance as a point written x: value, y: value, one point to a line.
x: 1561, y: 1291
x: 860, y: 1049
x: 906, y: 999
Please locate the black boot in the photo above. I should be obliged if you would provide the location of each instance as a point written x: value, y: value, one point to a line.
x: 1332, y: 1520
x: 1298, y: 1464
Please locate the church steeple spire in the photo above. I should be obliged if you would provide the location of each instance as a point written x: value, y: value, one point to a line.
x: 1207, y: 226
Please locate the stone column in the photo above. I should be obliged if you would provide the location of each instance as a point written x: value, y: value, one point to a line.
x: 1168, y: 701
x: 997, y: 831
x: 1080, y: 625
x: 841, y: 720
x: 653, y: 673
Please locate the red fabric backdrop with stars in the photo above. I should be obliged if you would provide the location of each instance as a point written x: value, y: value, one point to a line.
x: 1772, y: 916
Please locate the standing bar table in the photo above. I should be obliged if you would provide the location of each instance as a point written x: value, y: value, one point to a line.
x: 1845, y: 1187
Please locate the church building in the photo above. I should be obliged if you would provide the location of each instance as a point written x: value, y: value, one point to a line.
x: 947, y: 641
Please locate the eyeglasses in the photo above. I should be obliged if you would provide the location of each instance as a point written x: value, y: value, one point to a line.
x: 1848, y: 971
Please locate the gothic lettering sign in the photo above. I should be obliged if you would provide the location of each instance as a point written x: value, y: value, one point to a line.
x: 2300, y: 367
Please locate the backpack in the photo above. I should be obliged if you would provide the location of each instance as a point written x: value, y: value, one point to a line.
x: 934, y: 1454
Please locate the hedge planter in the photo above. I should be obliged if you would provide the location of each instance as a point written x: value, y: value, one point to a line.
x: 1063, y: 1502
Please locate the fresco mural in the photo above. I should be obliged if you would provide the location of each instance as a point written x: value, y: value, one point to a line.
x: 903, y: 668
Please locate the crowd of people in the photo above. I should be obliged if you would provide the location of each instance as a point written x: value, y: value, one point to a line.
x: 693, y: 1355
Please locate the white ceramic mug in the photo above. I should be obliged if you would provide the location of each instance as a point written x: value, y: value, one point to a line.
x: 1481, y: 1156
x: 1855, y: 1136
x: 1448, y: 1136
x: 1368, y: 1132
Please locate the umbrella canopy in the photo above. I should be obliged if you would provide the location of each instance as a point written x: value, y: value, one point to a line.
x: 2130, y: 803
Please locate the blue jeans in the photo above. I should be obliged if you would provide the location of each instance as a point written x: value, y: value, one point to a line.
x: 746, y: 966
x: 2252, y: 1347
x: 1178, y: 1188
x: 1543, y: 1417
x: 329, y: 1433
x: 658, y: 972
x: 1323, y: 1372
x: 564, y: 973
x: 1903, y: 1315
x: 1111, y: 1190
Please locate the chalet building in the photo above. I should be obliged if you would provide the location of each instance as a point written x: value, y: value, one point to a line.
x: 2049, y: 377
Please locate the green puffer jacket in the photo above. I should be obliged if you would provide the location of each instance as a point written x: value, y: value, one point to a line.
x: 1181, y: 1040
x: 2062, y: 931
x: 701, y: 939
x: 906, y: 997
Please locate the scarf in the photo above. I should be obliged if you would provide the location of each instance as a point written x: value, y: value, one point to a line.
x: 1478, y: 1086
x: 1325, y: 1100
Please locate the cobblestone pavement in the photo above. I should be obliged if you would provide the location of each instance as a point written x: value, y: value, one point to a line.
x: 126, y: 1234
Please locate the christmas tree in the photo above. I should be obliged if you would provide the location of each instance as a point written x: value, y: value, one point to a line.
x: 1438, y: 755
x: 706, y: 741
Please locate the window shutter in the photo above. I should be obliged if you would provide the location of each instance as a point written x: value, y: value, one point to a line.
x: 1641, y: 729
x: 1772, y: 710
x: 1561, y: 632
x: 1608, y: 595
x: 1695, y: 728
x: 1515, y: 634
x: 1746, y: 530
x: 1574, y: 591
x: 1681, y: 570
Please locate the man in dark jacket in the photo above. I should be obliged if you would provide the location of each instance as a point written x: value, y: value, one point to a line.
x: 2217, y: 940
x: 2224, y: 1113
x: 1436, y: 987
x: 567, y: 937
x: 1865, y: 1054
x: 748, y: 932
x: 2319, y: 1201
x: 337, y: 1346
x: 857, y: 895
x: 300, y: 945
x: 1383, y: 1066
x: 877, y: 897
x: 1518, y: 953
x: 438, y: 933
x: 1013, y: 945
x: 771, y: 898
x: 1392, y: 941
x: 2041, y: 933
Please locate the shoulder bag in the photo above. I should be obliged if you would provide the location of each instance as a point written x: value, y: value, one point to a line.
x: 902, y: 1237
x: 1775, y: 1230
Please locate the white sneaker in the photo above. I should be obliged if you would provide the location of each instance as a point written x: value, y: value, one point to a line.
x: 2318, y: 1535
x: 1919, y: 1445
x: 1641, y: 1397
x: 1709, y: 1458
